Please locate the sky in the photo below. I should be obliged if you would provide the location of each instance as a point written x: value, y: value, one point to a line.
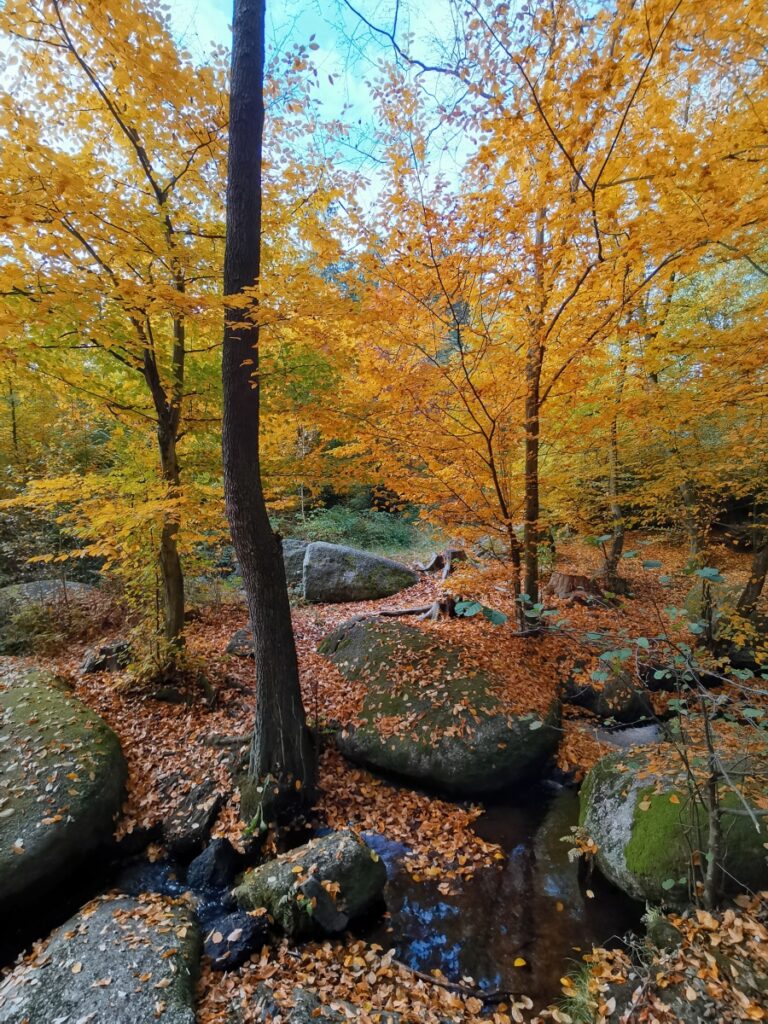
x: 348, y: 51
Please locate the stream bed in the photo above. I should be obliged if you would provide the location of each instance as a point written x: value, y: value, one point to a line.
x: 537, y: 905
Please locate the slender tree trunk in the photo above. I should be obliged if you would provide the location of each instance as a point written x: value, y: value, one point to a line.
x: 281, y: 751
x: 171, y: 572
x: 532, y: 430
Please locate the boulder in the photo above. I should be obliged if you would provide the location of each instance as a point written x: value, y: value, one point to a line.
x: 120, y: 960
x: 320, y: 886
x: 215, y: 867
x: 232, y: 938
x: 188, y: 826
x: 293, y: 559
x: 620, y: 698
x: 45, y: 592
x: 64, y: 777
x: 107, y: 658
x: 333, y: 573
x: 430, y: 715
x: 637, y: 808
x: 241, y: 644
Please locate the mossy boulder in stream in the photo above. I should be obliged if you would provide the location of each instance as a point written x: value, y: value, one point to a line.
x: 651, y: 833
x: 119, y: 961
x: 431, y: 715
x: 320, y: 886
x: 63, y: 779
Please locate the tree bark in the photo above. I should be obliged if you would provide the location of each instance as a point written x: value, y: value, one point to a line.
x: 532, y: 429
x: 282, y: 765
x: 757, y: 574
x: 170, y: 561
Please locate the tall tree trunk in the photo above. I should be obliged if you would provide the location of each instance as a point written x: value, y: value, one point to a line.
x: 170, y: 562
x: 281, y: 751
x: 531, y: 533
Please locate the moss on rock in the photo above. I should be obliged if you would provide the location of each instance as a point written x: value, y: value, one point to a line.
x: 651, y: 831
x: 432, y: 717
x: 64, y: 780
x: 320, y: 886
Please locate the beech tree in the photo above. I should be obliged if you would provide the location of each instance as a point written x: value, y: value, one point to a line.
x: 282, y: 760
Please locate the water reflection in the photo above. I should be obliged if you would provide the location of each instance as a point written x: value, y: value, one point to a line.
x: 533, y: 906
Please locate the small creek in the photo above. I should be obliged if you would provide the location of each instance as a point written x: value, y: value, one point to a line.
x: 534, y: 905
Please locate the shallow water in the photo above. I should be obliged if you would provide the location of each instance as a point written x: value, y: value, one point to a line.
x: 533, y: 906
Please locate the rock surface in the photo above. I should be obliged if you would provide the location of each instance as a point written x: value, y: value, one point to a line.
x: 119, y: 961
x: 107, y: 658
x: 187, y: 828
x: 241, y: 644
x: 637, y: 808
x: 308, y: 1009
x: 63, y: 778
x: 619, y: 698
x: 232, y: 938
x: 293, y: 559
x: 450, y: 730
x: 321, y: 886
x: 333, y: 573
x: 215, y: 867
x: 14, y: 597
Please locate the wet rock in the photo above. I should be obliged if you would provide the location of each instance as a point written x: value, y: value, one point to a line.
x: 187, y: 829
x: 293, y: 560
x: 320, y: 886
x: 465, y: 743
x: 92, y: 968
x: 637, y: 807
x: 333, y: 573
x: 241, y: 644
x: 64, y: 780
x: 215, y: 867
x: 620, y: 698
x: 231, y: 939
x: 107, y: 658
x: 143, y: 877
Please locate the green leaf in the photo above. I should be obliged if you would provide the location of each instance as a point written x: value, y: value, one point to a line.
x: 536, y: 724
x: 711, y: 574
x: 630, y: 554
x: 495, y: 616
x: 619, y: 655
x: 668, y: 883
x: 652, y: 564
x: 643, y: 641
x: 468, y: 608
x: 752, y: 712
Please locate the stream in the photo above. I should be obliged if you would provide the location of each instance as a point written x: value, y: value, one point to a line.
x: 534, y: 906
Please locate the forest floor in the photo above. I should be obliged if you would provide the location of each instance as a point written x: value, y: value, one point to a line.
x: 164, y: 739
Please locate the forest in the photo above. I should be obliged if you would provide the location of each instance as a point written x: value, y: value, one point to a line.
x: 383, y: 511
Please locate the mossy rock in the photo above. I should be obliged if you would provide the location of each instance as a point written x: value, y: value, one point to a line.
x: 333, y: 573
x: 63, y: 782
x: 120, y: 960
x: 648, y: 828
x: 431, y: 716
x: 320, y: 886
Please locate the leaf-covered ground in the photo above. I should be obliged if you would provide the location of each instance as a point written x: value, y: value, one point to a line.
x: 163, y: 741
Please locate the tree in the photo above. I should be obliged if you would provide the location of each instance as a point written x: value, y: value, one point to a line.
x: 281, y: 770
x: 110, y: 159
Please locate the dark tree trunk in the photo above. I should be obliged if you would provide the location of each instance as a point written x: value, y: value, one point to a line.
x: 757, y: 574
x: 170, y: 562
x: 531, y: 536
x: 281, y: 750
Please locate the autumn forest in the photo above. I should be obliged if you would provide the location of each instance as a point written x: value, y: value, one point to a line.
x: 383, y: 511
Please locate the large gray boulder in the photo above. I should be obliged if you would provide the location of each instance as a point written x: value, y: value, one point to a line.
x: 293, y: 559
x: 320, y: 886
x: 17, y: 596
x: 119, y: 961
x: 63, y: 781
x: 333, y: 573
x: 432, y: 716
x: 637, y: 808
